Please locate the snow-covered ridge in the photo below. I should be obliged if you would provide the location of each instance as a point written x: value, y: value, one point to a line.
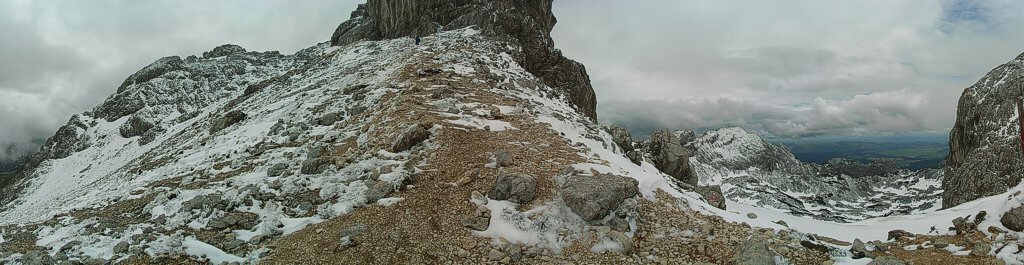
x: 756, y: 172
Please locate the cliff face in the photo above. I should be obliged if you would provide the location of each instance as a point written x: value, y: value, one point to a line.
x: 985, y: 153
x: 527, y: 23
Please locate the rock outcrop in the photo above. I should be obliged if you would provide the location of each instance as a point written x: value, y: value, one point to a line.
x: 985, y: 152
x: 593, y: 197
x: 670, y: 157
x: 527, y: 23
x: 518, y: 188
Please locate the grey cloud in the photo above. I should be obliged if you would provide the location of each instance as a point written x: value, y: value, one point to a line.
x: 887, y: 112
x: 788, y: 68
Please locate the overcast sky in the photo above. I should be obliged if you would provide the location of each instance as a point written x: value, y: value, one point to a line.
x: 781, y: 68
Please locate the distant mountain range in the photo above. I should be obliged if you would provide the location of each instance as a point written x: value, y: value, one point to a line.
x: 918, y: 153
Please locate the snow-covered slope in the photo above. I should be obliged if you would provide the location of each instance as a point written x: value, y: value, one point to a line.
x: 753, y: 171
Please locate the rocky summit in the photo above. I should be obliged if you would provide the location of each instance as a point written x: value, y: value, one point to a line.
x: 452, y: 132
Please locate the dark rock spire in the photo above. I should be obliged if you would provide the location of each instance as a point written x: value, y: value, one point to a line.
x: 526, y: 22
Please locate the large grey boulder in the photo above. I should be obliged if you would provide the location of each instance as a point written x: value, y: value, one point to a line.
x: 754, y: 251
x: 670, y: 157
x: 1013, y: 219
x: 621, y: 137
x: 526, y: 23
x: 984, y: 159
x: 713, y: 195
x: 411, y: 136
x: 378, y: 190
x: 593, y: 197
x: 518, y: 188
x: 134, y: 126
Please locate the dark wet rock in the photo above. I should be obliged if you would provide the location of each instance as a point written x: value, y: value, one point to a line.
x: 814, y: 246
x: 223, y: 50
x: 231, y: 118
x: 518, y: 188
x: 1013, y: 219
x: 526, y: 23
x: 593, y: 197
x: 670, y: 157
x: 983, y: 160
x: 411, y: 136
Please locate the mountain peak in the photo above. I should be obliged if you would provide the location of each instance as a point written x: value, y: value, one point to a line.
x: 525, y: 23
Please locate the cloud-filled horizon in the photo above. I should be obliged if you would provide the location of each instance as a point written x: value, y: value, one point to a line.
x: 781, y: 68
x: 787, y: 68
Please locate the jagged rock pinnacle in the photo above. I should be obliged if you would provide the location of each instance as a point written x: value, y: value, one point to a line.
x: 527, y: 23
x: 985, y: 154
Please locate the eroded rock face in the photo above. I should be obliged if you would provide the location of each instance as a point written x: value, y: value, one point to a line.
x: 985, y: 150
x: 621, y: 137
x: 62, y: 144
x: 593, y: 197
x: 669, y: 157
x: 527, y: 23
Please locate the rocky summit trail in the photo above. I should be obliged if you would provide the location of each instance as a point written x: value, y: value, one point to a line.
x: 478, y: 145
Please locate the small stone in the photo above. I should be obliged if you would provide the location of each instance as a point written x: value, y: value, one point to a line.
x: 502, y: 158
x: 939, y: 243
x: 468, y: 243
x: 350, y: 235
x: 981, y: 249
x: 474, y: 222
x: 495, y: 255
x: 463, y: 181
x: 752, y: 215
x: 121, y: 247
x: 478, y: 198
